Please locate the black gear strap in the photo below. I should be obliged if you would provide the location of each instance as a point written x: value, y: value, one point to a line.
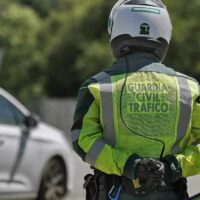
x: 173, y: 168
x: 198, y: 99
x: 130, y: 166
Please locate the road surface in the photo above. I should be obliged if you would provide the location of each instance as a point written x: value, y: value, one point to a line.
x: 81, y: 169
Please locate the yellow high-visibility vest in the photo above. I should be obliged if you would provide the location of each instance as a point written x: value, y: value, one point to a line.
x: 155, y: 101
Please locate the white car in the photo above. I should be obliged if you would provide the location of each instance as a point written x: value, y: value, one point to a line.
x: 35, y: 158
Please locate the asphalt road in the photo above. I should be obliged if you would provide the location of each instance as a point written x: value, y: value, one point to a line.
x: 81, y: 169
x: 75, y: 196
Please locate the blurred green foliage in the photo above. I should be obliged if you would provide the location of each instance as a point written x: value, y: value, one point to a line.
x: 19, y: 31
x: 51, y: 46
x: 184, y: 50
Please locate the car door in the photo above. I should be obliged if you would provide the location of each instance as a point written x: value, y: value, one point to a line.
x: 10, y: 139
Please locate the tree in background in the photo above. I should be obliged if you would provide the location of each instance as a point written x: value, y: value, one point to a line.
x: 42, y: 7
x: 79, y: 45
x: 51, y: 46
x: 18, y: 38
x: 185, y: 47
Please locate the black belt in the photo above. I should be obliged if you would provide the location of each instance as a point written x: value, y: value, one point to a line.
x: 128, y: 188
x: 106, y: 181
x: 127, y: 184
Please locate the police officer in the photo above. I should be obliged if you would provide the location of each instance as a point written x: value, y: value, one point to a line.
x: 137, y: 123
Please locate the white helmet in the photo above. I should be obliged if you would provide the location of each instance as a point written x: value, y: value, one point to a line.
x: 139, y: 25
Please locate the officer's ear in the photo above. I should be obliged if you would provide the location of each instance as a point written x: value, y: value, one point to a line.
x: 198, y: 99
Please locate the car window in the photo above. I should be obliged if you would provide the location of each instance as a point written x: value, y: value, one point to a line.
x: 9, y: 114
x: 19, y: 116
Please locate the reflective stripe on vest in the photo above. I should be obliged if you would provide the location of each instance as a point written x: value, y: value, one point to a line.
x: 109, y: 136
x: 107, y: 107
x: 94, y: 152
x: 185, y: 112
x: 75, y: 134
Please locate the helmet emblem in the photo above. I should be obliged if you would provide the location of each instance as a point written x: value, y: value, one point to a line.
x: 144, y: 29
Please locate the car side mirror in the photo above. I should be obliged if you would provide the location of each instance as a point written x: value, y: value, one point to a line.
x: 31, y: 121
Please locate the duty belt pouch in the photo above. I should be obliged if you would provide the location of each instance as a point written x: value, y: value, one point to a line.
x: 103, y: 187
x: 91, y: 187
x: 96, y: 186
x: 104, y: 183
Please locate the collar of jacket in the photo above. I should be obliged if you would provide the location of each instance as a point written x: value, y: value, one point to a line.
x: 136, y: 61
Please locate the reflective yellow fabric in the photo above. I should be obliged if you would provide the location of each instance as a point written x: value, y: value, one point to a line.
x: 150, y: 106
x: 189, y: 158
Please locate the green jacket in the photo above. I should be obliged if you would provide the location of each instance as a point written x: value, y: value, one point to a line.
x: 156, y: 101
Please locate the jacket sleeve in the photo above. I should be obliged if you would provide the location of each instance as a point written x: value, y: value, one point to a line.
x: 88, y: 142
x: 189, y: 159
